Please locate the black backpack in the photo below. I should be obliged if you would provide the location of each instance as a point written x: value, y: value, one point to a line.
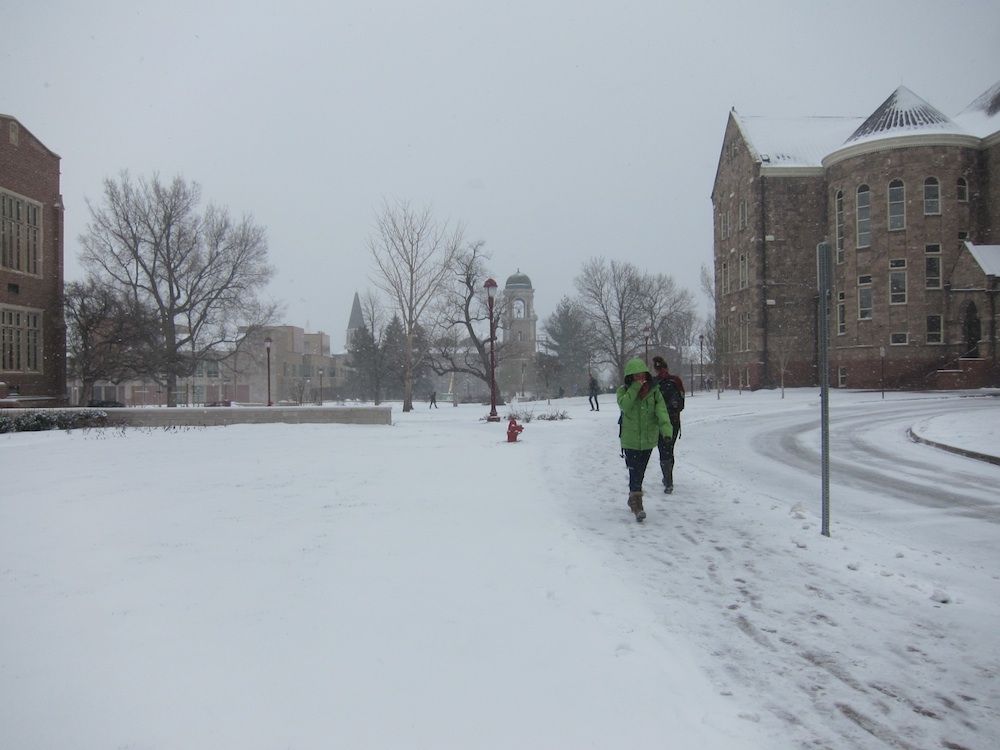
x: 672, y: 395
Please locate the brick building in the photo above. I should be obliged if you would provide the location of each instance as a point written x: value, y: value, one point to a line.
x: 909, y: 200
x: 32, y: 330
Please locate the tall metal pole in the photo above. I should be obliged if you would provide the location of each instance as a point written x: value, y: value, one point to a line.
x: 823, y: 274
x: 491, y: 290
x: 267, y: 345
x: 701, y: 359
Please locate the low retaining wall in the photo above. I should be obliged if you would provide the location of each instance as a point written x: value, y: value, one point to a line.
x: 183, y: 416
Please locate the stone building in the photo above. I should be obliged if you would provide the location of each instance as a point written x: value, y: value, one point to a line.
x: 909, y: 201
x: 518, y: 325
x: 32, y: 328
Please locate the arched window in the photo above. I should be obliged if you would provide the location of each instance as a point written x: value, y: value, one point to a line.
x: 839, y: 200
x: 519, y: 308
x: 932, y: 197
x: 897, y: 205
x: 962, y: 190
x: 864, y: 217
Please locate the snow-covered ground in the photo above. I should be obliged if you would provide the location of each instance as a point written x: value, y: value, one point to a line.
x: 427, y: 585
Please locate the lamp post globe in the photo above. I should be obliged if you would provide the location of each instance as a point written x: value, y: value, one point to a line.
x: 491, y: 293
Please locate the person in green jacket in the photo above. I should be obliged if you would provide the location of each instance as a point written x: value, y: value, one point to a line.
x: 644, y: 419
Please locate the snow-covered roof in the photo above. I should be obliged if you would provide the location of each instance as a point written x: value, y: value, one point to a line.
x: 987, y: 256
x: 794, y: 141
x: 982, y: 117
x: 807, y: 141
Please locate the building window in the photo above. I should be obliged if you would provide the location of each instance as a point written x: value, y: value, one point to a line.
x: 743, y: 214
x: 20, y: 340
x: 841, y: 377
x: 962, y: 190
x: 897, y: 205
x: 725, y: 277
x: 519, y: 308
x: 864, y: 217
x: 20, y: 234
x: 864, y: 297
x: 932, y: 197
x: 932, y: 266
x: 897, y: 281
x: 744, y: 271
x: 841, y: 313
x: 934, y: 329
x: 724, y: 228
x: 898, y: 339
x: 745, y: 332
x: 839, y: 201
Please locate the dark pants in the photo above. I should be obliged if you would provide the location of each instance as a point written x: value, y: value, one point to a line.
x: 636, y: 461
x: 592, y: 399
x: 666, y: 448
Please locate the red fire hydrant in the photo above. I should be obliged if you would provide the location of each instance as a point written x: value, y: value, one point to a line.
x: 513, y: 430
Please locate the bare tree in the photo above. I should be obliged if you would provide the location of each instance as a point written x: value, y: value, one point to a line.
x: 413, y: 255
x: 108, y: 338
x: 460, y: 316
x: 668, y: 311
x: 200, y: 271
x: 611, y: 294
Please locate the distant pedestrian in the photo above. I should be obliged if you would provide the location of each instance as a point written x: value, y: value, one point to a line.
x: 594, y: 389
x: 434, y: 401
x: 672, y: 389
x: 644, y: 421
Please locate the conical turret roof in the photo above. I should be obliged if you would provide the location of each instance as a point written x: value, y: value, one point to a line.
x: 903, y: 113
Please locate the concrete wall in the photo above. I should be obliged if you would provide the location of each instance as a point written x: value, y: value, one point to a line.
x: 209, y: 417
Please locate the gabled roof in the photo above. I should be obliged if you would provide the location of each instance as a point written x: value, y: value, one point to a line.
x: 904, y: 113
x: 987, y: 256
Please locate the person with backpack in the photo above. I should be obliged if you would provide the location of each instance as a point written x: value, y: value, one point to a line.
x: 671, y: 387
x: 643, y: 422
x: 593, y: 389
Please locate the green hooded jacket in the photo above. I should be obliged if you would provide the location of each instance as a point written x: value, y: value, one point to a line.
x: 643, y: 419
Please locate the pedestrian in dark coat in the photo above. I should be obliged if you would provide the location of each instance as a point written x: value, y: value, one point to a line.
x: 434, y: 400
x: 594, y: 390
x: 672, y: 389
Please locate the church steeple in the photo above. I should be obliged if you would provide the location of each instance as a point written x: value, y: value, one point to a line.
x: 356, y: 322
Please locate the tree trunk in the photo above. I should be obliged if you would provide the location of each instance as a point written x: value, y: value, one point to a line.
x: 408, y: 374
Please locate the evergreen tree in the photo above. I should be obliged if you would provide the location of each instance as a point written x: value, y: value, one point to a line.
x: 570, y: 341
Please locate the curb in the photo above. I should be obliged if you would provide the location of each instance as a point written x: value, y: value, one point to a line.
x: 952, y: 449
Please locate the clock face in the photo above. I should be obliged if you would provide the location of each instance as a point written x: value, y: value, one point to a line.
x: 518, y: 308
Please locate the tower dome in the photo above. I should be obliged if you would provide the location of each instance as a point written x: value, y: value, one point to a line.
x: 518, y: 281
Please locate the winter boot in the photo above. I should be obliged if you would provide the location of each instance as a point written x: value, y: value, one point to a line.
x: 635, y: 505
x: 668, y: 476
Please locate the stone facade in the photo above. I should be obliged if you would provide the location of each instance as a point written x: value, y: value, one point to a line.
x: 910, y: 305
x: 32, y: 327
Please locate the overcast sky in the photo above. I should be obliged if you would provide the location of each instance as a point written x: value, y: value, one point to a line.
x: 553, y: 131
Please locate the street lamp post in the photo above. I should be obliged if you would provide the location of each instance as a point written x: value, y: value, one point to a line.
x: 267, y: 345
x: 321, y: 386
x: 491, y: 293
x: 701, y: 359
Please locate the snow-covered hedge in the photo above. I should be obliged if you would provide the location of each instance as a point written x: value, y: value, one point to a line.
x: 49, y: 419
